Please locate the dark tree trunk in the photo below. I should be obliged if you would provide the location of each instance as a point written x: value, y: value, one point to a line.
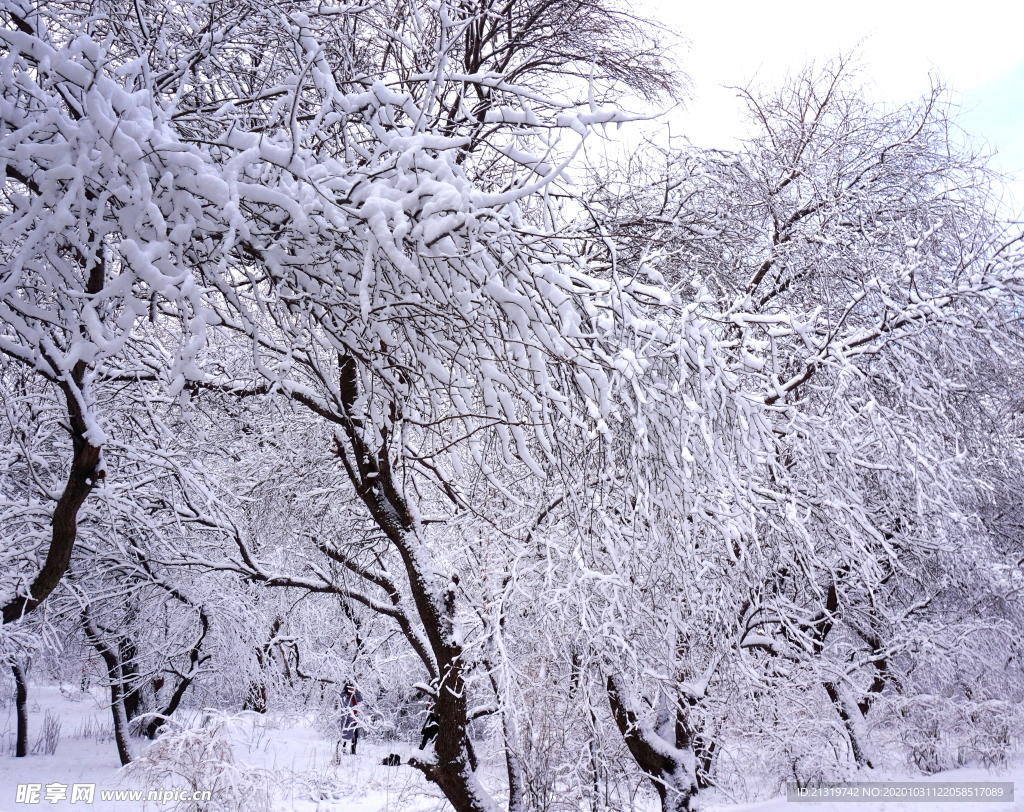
x: 704, y: 750
x: 698, y: 742
x: 117, y: 691
x: 371, y: 474
x: 21, y: 704
x: 196, y: 658
x: 256, y: 696
x: 851, y: 724
x: 595, y: 772
x: 81, y: 481
x: 670, y: 768
x: 453, y: 769
x: 819, y: 630
x: 133, y: 700
x: 881, y: 678
x: 160, y: 718
x: 82, y: 478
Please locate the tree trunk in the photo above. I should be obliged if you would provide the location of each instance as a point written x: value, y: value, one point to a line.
x: 117, y: 690
x: 256, y: 696
x: 595, y: 769
x: 21, y: 703
x: 133, y: 700
x: 371, y: 474
x: 848, y: 711
x: 513, y: 768
x: 85, y: 471
x: 671, y: 769
x: 64, y: 529
x: 159, y: 718
x: 453, y: 768
x: 853, y: 723
x: 704, y: 749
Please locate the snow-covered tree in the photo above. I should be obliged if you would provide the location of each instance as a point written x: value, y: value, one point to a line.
x: 857, y: 273
x: 302, y: 284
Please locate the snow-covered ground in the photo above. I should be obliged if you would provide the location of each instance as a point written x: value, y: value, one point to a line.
x: 288, y: 755
x: 291, y: 758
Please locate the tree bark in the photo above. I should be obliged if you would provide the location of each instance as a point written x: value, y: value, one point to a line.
x: 21, y: 704
x: 852, y: 724
x: 671, y: 769
x: 64, y: 528
x: 85, y: 472
x: 117, y: 691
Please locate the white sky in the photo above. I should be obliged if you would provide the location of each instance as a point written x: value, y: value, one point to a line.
x: 976, y: 48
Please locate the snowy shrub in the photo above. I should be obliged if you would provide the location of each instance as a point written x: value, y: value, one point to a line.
x: 92, y: 728
x: 202, y: 759
x: 764, y: 744
x: 49, y: 735
x: 941, y: 733
x: 548, y: 771
x: 400, y: 714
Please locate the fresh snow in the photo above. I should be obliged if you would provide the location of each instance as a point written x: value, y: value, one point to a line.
x: 298, y: 760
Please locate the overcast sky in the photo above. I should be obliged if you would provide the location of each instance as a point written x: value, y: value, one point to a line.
x: 975, y: 48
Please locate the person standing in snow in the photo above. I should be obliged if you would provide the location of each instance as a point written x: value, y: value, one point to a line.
x: 348, y: 723
x: 430, y: 727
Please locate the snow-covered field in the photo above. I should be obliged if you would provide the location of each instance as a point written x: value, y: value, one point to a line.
x: 288, y: 764
x: 288, y: 756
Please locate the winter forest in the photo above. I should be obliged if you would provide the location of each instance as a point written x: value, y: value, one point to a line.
x: 356, y: 387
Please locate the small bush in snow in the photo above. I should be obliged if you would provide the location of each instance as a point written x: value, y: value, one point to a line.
x: 49, y: 735
x: 200, y: 759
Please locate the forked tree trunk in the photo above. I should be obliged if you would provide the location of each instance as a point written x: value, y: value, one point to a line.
x: 159, y: 719
x: 369, y: 468
x: 704, y: 749
x: 196, y: 659
x: 819, y: 630
x: 671, y: 769
x: 852, y: 720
